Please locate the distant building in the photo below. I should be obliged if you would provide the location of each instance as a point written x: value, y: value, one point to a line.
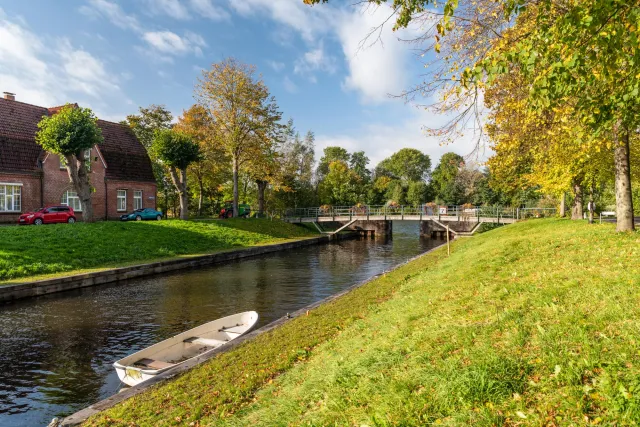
x: 30, y: 177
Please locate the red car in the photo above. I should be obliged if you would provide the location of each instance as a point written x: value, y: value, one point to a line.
x: 48, y: 215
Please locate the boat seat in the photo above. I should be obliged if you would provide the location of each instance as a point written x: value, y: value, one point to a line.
x: 229, y: 329
x: 154, y: 364
x: 209, y: 342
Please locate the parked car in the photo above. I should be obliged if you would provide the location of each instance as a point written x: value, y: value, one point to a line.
x: 141, y: 214
x: 244, y: 210
x: 48, y: 215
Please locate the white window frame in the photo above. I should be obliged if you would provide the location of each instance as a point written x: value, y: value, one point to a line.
x: 10, y: 202
x: 121, y: 207
x: 137, y: 199
x: 70, y: 198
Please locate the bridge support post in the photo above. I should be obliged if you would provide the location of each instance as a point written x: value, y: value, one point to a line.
x: 379, y: 228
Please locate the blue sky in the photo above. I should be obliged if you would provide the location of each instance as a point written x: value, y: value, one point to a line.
x: 117, y: 55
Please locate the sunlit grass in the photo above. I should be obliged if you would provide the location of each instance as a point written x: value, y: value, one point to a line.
x: 532, y: 324
x: 52, y: 249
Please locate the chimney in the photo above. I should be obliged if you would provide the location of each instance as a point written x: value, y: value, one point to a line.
x: 10, y: 96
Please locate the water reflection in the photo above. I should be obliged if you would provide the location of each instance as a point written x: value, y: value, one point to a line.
x: 56, y: 351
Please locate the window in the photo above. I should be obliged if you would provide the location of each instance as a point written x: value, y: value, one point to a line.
x: 10, y: 197
x: 137, y: 199
x: 122, y: 200
x: 70, y: 198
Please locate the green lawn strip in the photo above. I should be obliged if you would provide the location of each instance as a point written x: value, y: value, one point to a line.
x: 533, y: 324
x: 228, y: 383
x: 56, y: 250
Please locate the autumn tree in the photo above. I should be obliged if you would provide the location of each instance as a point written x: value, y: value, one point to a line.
x: 70, y: 133
x: 211, y: 171
x: 244, y: 113
x: 330, y: 155
x: 177, y: 151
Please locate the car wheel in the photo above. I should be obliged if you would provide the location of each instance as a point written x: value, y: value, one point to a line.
x: 158, y: 217
x: 37, y: 221
x: 230, y: 215
x: 71, y: 220
x: 138, y: 218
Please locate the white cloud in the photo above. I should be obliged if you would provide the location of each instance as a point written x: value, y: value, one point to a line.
x: 378, y: 66
x: 293, y: 13
x: 163, y: 42
x: 207, y: 9
x: 289, y: 85
x: 276, y: 65
x: 315, y: 60
x: 381, y: 141
x: 375, y: 69
x: 113, y: 12
x: 172, y: 8
x: 168, y: 42
x: 53, y: 72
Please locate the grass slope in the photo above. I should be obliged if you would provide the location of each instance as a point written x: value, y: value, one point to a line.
x: 51, y: 249
x: 532, y: 324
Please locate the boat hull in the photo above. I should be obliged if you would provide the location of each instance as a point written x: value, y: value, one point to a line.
x: 151, y: 361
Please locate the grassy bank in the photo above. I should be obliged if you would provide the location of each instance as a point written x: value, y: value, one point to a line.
x: 49, y: 250
x: 531, y: 324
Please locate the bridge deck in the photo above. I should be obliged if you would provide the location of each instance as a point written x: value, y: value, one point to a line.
x: 347, y: 218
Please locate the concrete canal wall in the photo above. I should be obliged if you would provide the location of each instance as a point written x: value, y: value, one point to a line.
x: 60, y: 284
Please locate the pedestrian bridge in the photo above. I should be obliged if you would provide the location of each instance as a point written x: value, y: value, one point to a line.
x: 460, y: 219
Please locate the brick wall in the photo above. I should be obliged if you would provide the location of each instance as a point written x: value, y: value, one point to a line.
x: 56, y: 183
x: 148, y: 196
x: 30, y: 193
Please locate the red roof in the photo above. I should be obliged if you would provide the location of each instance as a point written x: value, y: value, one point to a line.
x: 126, y: 158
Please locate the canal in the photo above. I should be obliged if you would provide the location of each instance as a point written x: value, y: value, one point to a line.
x: 57, y: 351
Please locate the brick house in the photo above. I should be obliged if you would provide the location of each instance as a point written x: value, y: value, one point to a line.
x: 30, y: 177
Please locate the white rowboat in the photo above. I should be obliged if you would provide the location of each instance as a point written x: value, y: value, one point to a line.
x: 171, y: 352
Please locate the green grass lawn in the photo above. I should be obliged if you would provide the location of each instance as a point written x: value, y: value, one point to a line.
x: 536, y: 323
x: 48, y: 250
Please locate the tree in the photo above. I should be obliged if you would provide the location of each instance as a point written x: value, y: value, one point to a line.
x: 444, y: 178
x: 144, y: 126
x: 69, y: 133
x: 177, y: 151
x: 340, y: 184
x: 330, y: 155
x: 211, y: 171
x: 243, y: 112
x: 148, y: 121
x: 408, y: 164
x: 296, y: 159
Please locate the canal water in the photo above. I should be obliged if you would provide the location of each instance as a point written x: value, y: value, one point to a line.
x: 56, y: 351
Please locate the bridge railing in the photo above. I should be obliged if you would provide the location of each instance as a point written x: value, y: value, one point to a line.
x: 462, y: 213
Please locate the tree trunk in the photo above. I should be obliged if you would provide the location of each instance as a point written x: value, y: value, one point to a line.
x: 201, y: 197
x: 624, y: 200
x: 79, y: 176
x: 235, y: 186
x: 166, y: 202
x: 180, y: 182
x: 563, y: 205
x: 591, y: 205
x: 576, y: 211
x: 262, y: 185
